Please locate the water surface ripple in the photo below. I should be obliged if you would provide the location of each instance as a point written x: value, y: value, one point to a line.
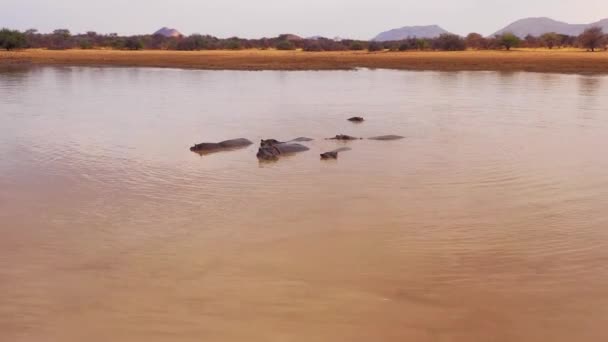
x: 488, y: 222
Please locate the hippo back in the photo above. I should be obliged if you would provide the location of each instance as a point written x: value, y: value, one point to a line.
x: 302, y: 139
x: 203, y: 147
x: 387, y: 137
x: 235, y: 143
x: 291, y: 148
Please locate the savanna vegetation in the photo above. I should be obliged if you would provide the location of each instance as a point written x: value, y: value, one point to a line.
x: 62, y: 39
x: 10, y: 40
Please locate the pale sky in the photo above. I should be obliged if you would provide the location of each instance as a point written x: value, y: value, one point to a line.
x: 258, y: 18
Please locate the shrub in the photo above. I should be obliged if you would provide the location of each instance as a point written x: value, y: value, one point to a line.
x: 85, y: 44
x: 313, y: 46
x: 133, y: 43
x: 285, y: 45
x: 476, y: 41
x: 61, y: 39
x: 375, y: 46
x: 357, y: 46
x: 233, y: 44
x: 550, y: 40
x: 404, y: 47
x: 508, y: 40
x: 10, y: 40
x: 449, y: 42
x: 422, y: 44
x: 592, y: 38
x: 531, y: 41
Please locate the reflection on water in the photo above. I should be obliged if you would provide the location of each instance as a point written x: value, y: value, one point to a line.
x: 590, y: 85
x: 488, y: 222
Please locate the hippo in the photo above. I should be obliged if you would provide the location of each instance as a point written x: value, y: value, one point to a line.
x: 343, y: 137
x: 206, y: 148
x: 272, y: 142
x: 273, y: 152
x: 334, y: 154
x: 382, y: 137
x: 356, y: 119
x: 387, y: 137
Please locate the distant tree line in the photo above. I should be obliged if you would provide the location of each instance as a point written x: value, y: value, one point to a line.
x: 592, y: 39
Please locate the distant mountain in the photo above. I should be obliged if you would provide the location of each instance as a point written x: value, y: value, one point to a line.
x: 538, y: 26
x: 336, y: 39
x: 431, y: 31
x: 602, y: 23
x: 168, y: 32
x: 291, y: 37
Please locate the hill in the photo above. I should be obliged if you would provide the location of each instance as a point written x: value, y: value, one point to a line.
x: 168, y: 32
x: 538, y: 26
x: 430, y: 31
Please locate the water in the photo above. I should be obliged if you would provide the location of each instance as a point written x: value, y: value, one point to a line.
x: 488, y: 222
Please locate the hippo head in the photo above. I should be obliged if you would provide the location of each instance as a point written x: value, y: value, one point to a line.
x: 197, y: 147
x: 268, y: 153
x: 269, y: 142
x: 329, y: 155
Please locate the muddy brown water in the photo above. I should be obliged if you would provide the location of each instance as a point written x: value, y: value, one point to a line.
x: 489, y: 222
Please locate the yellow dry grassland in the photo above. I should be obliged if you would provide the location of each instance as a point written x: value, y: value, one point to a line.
x: 537, y: 60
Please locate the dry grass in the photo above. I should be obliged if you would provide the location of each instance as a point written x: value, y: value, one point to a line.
x: 565, y: 61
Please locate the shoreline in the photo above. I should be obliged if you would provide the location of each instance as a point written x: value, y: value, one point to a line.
x: 554, y: 61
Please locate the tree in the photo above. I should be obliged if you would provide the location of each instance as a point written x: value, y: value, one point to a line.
x: 313, y: 46
x: 421, y: 44
x: 375, y: 46
x: 357, y: 46
x: 407, y: 44
x: 476, y: 41
x: 592, y: 38
x: 233, y: 44
x: 508, y: 40
x: 10, y: 40
x: 531, y: 41
x: 85, y: 43
x: 391, y: 46
x: 566, y: 40
x: 133, y: 43
x: 449, y: 42
x: 285, y: 45
x: 195, y: 42
x: 551, y: 39
x: 62, y: 32
x: 61, y: 40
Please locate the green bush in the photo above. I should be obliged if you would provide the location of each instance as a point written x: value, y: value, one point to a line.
x: 85, y: 44
x: 508, y: 40
x: 313, y: 46
x: 449, y: 42
x: 233, y: 44
x: 133, y: 43
x: 375, y: 46
x: 422, y: 44
x: 285, y: 45
x: 357, y: 46
x: 10, y: 40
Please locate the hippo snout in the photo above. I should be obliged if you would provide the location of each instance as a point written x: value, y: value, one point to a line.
x: 329, y: 155
x: 266, y: 154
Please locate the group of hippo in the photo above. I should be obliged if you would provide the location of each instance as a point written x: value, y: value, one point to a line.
x: 271, y: 149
